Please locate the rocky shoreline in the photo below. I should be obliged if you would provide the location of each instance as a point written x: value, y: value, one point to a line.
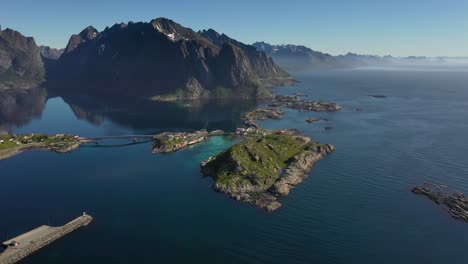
x: 456, y: 203
x: 60, y: 143
x: 264, y: 167
x: 250, y: 118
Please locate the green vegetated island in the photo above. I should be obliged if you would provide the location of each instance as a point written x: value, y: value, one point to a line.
x: 265, y: 165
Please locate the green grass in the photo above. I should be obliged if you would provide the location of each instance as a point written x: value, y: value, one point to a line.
x: 173, y: 141
x: 261, y: 159
x: 49, y: 141
x: 221, y: 92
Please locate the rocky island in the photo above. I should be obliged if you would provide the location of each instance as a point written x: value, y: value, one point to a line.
x: 261, y: 114
x: 315, y: 119
x: 264, y: 166
x: 174, y: 141
x: 456, y: 203
x: 11, y: 145
x: 295, y: 102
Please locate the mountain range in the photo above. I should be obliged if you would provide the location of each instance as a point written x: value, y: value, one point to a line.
x: 160, y: 59
x: 164, y: 60
x: 301, y: 58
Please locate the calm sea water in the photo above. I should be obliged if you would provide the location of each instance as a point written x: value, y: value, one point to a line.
x: 355, y: 207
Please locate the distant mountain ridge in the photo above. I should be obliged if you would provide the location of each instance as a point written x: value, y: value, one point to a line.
x: 50, y: 53
x: 297, y: 58
x: 165, y: 59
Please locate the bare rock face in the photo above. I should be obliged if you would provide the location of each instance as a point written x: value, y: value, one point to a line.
x: 50, y: 53
x: 194, y: 89
x: 84, y: 36
x: 20, y: 58
x: 297, y: 171
x: 260, y: 62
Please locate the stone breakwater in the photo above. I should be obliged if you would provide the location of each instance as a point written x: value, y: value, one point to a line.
x: 456, y: 203
x: 13, y: 255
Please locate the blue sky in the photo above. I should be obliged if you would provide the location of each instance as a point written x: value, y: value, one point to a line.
x: 396, y: 27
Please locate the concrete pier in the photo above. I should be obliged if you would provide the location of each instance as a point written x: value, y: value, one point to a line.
x: 24, y: 245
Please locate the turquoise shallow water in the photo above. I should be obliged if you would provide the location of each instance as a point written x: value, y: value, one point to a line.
x: 355, y: 207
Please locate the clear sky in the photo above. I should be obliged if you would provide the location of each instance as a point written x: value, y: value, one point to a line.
x: 396, y: 27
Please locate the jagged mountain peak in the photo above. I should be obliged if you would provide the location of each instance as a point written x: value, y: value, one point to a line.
x: 89, y: 33
x: 175, y: 31
x: 20, y: 59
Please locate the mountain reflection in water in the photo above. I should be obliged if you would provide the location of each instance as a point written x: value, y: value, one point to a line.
x: 18, y: 108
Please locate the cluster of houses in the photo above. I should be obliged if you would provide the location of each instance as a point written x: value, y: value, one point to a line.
x: 250, y: 130
x: 29, y: 138
x: 253, y: 130
x: 10, y: 140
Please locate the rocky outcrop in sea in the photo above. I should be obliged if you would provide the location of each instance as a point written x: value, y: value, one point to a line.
x: 298, y: 103
x: 456, y: 203
x: 265, y: 166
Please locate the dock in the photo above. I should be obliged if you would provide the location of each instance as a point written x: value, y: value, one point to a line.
x: 20, y: 247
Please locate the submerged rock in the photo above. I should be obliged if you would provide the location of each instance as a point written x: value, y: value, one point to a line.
x: 312, y: 119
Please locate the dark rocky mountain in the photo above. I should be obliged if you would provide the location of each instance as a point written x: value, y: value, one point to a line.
x: 260, y: 62
x: 162, y: 58
x: 50, y: 53
x: 298, y: 58
x: 21, y: 64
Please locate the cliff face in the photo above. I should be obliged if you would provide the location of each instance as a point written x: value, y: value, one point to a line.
x: 159, y: 58
x: 261, y: 63
x: 20, y: 60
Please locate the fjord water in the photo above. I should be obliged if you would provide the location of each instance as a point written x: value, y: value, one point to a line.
x: 355, y: 207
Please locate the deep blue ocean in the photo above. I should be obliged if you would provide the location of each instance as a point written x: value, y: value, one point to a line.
x: 356, y: 206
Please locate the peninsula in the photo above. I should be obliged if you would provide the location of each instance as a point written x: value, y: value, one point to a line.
x: 11, y: 145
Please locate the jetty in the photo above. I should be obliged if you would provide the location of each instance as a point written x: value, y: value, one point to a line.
x: 20, y: 247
